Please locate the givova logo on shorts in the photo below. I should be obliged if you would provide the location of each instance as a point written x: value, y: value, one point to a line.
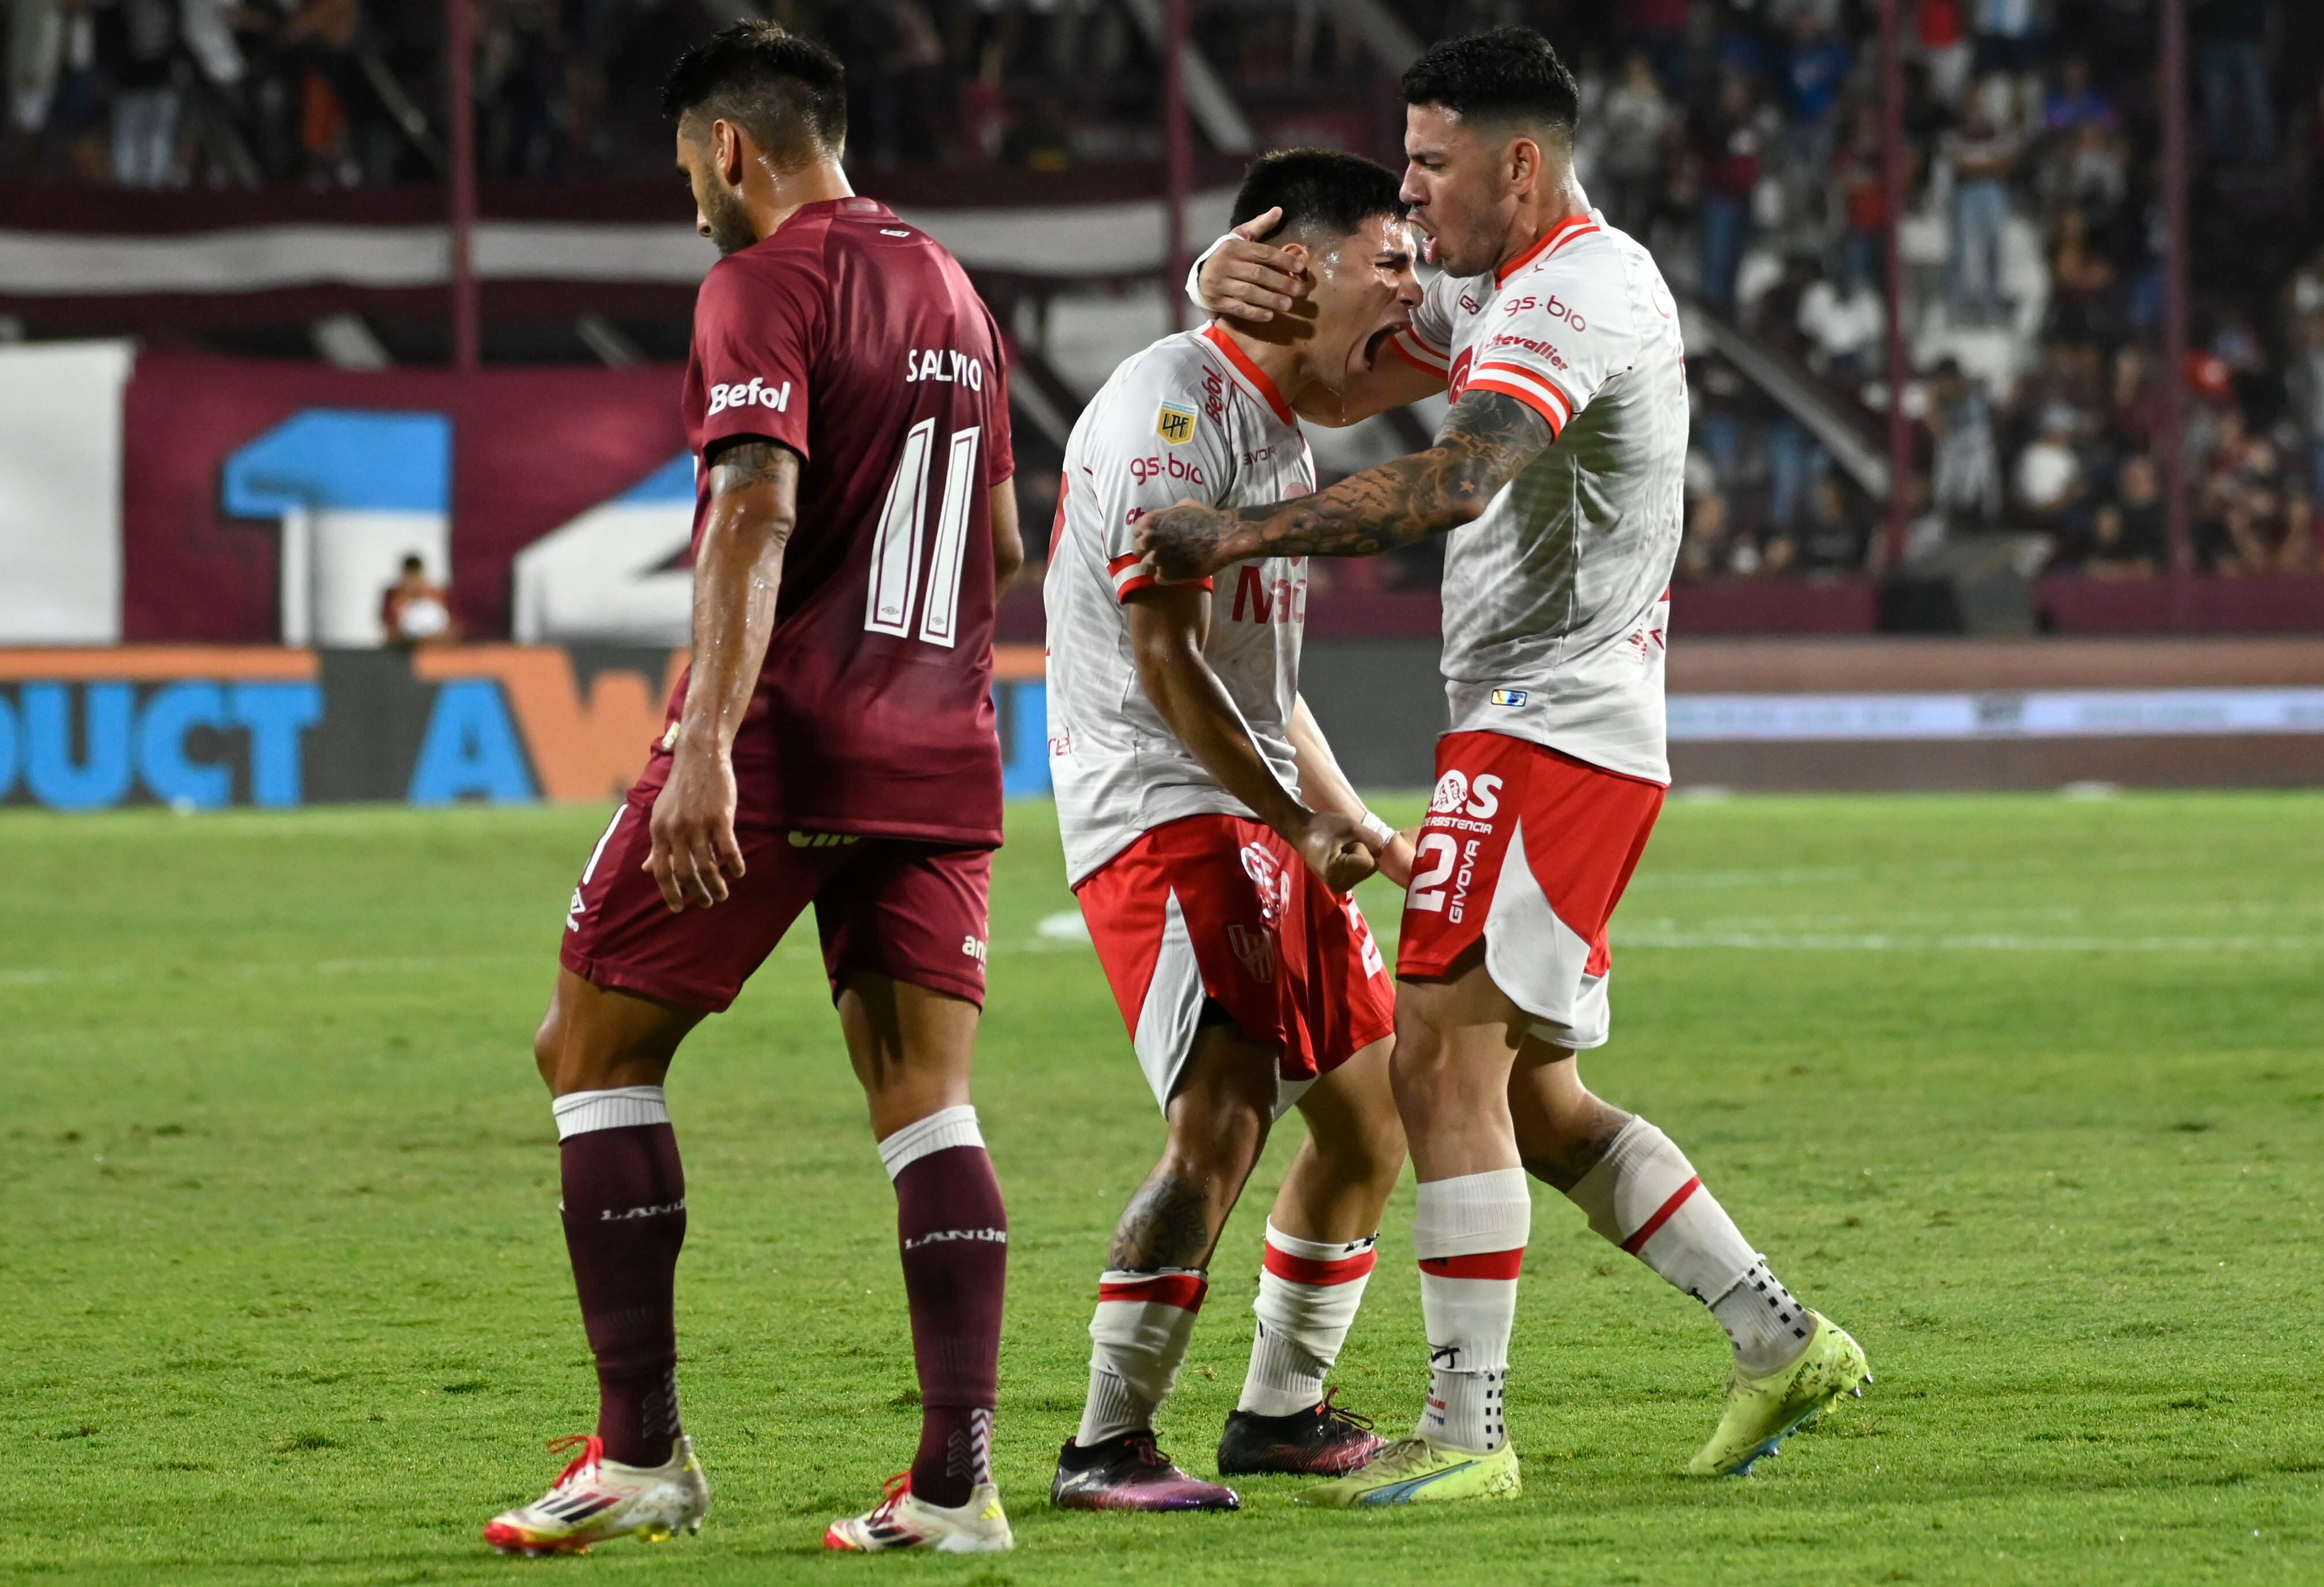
x: 1458, y: 805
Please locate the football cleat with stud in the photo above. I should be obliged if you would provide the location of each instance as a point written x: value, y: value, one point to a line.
x: 596, y: 1500
x: 1321, y: 1441
x: 902, y: 1519
x: 1421, y: 1470
x: 1761, y: 1412
x: 1129, y: 1472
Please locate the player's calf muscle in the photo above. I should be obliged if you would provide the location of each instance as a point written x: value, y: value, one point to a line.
x: 1172, y: 1222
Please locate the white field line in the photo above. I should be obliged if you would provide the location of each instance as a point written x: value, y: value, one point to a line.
x: 1962, y: 942
x: 1931, y: 870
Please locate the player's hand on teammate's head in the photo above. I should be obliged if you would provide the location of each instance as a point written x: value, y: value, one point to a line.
x: 694, y: 849
x: 1337, y: 849
x: 1185, y: 540
x: 1251, y: 281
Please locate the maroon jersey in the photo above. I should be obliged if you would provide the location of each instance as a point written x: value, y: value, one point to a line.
x: 856, y: 341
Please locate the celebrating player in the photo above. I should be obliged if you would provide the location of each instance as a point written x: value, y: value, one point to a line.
x: 1208, y: 833
x: 833, y: 742
x: 1557, y: 476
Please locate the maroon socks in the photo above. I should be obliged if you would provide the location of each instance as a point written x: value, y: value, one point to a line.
x: 625, y: 1220
x: 953, y: 1234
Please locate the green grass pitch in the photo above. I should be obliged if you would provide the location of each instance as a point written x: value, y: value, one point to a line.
x: 2025, y: 1091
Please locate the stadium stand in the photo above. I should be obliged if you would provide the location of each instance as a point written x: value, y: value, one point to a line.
x: 1741, y: 138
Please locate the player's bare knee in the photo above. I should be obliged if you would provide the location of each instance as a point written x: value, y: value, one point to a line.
x: 1217, y: 1136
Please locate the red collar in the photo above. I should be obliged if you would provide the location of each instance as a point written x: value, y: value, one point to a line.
x: 1251, y: 373
x: 1549, y: 241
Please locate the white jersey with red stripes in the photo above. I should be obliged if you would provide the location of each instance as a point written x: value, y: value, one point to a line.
x: 1190, y: 417
x: 1557, y: 599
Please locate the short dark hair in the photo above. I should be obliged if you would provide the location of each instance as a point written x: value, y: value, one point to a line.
x: 789, y: 93
x: 1509, y: 74
x: 1321, y: 188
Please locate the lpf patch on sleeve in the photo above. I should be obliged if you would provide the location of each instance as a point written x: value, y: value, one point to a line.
x: 1175, y: 424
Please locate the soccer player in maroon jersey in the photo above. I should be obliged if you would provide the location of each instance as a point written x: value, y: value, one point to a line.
x: 833, y: 743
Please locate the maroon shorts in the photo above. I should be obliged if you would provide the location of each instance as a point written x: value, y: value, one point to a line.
x: 912, y: 912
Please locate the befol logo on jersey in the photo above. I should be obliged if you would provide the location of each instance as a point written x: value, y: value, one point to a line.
x: 756, y: 393
x: 1452, y: 791
x: 1174, y: 423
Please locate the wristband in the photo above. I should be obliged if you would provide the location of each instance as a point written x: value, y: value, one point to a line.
x: 1194, y: 272
x: 1378, y: 828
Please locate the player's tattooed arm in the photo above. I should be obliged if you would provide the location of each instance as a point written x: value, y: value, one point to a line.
x: 1487, y: 437
x: 737, y: 569
x: 1166, y: 1224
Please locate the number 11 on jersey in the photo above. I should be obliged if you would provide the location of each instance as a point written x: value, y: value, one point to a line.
x: 896, y: 552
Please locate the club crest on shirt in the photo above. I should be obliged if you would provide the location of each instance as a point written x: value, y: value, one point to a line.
x: 1174, y: 423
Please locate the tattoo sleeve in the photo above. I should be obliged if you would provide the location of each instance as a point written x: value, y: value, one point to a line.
x: 742, y: 463
x: 1487, y: 437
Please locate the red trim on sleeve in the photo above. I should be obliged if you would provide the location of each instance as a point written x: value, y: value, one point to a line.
x: 1146, y: 581
x: 1183, y: 1290
x: 1647, y: 1231
x: 1484, y: 1264
x: 1525, y: 376
x: 1122, y: 561
x: 1314, y: 1270
x: 1531, y: 399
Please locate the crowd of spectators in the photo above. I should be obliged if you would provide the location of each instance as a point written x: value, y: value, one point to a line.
x: 1744, y: 143
x: 1742, y: 139
x: 166, y: 93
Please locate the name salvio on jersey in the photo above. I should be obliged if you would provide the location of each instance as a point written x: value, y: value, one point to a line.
x: 896, y: 587
x: 944, y: 363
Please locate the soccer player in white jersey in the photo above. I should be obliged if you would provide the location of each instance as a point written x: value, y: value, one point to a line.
x: 1556, y: 478
x: 1210, y: 836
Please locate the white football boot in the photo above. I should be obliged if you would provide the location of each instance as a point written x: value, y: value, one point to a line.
x: 594, y: 1500
x: 902, y: 1519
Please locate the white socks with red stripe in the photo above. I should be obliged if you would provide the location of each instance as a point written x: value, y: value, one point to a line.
x: 1139, y: 1335
x: 1308, y: 1293
x: 1469, y: 1235
x: 1645, y: 1197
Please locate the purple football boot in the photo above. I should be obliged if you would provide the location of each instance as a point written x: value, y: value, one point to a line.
x: 1129, y: 1472
x: 1321, y: 1441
